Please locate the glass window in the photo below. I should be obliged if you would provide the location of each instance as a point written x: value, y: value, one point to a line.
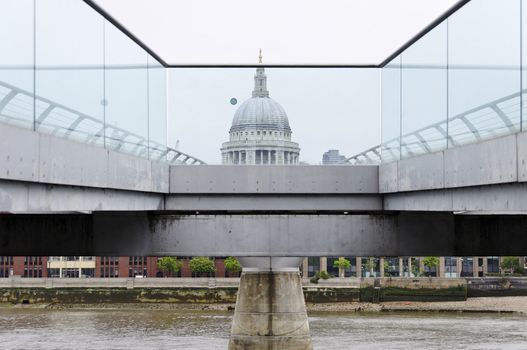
x: 391, y: 267
x: 484, y: 66
x: 313, y: 265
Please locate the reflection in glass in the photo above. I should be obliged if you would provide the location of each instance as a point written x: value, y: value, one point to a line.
x: 157, y: 122
x: 391, y: 111
x: 126, y: 93
x: 69, y: 70
x: 424, y: 94
x: 484, y: 66
x: 16, y: 63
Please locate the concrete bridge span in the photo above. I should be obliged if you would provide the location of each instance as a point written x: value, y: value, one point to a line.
x: 260, y: 235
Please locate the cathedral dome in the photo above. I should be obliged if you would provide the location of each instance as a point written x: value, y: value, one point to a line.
x: 260, y: 111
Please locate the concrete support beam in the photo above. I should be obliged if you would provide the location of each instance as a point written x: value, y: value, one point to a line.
x: 491, y: 199
x: 297, y: 179
x: 274, y: 202
x: 32, y: 197
x: 254, y: 235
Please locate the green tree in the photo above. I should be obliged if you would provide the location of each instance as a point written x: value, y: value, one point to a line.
x: 431, y: 262
x: 342, y: 264
x: 512, y: 264
x: 169, y: 265
x: 371, y: 265
x: 386, y: 268
x: 232, y: 265
x: 202, y: 265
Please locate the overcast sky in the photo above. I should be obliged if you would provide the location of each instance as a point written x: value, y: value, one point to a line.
x: 327, y: 108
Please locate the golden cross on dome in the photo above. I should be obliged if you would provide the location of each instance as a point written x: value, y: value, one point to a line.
x: 260, y: 57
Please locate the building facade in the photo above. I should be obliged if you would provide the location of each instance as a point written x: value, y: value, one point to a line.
x: 448, y: 266
x: 71, y: 266
x: 332, y: 157
x: 260, y: 131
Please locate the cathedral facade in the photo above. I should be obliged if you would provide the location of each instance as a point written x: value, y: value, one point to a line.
x: 260, y: 131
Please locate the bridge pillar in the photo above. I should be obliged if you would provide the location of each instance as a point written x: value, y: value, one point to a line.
x: 270, y: 308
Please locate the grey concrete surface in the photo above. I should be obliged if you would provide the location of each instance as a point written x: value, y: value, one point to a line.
x: 32, y: 197
x: 270, y: 313
x: 492, y: 199
x: 255, y: 235
x: 497, y: 161
x: 265, y: 179
x: 31, y: 156
x: 274, y: 202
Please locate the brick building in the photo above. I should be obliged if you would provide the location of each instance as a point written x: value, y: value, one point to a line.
x: 101, y: 266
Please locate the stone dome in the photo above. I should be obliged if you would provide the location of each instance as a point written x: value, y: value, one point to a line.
x: 260, y: 111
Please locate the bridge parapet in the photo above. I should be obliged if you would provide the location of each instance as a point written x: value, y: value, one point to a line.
x: 269, y: 179
x: 497, y: 161
x: 30, y: 156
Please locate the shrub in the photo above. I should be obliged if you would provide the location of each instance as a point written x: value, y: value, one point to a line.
x: 512, y: 263
x: 323, y: 275
x: 232, y: 264
x: 169, y: 265
x: 342, y: 264
x: 431, y: 262
x: 314, y: 279
x: 201, y: 264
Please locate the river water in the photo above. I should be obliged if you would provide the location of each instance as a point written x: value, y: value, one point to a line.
x: 155, y: 329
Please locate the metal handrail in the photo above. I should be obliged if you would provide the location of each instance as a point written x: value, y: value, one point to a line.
x: 51, y: 116
x: 417, y: 143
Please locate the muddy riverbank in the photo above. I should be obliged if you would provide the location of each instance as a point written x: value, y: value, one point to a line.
x: 516, y: 305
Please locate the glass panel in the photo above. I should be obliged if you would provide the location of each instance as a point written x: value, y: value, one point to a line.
x: 524, y: 66
x: 273, y: 116
x: 16, y: 62
x: 424, y: 94
x: 391, y: 111
x: 126, y: 97
x: 157, y: 121
x: 484, y: 79
x: 69, y: 76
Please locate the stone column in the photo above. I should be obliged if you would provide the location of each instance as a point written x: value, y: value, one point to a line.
x: 459, y: 265
x: 485, y: 266
x: 421, y: 264
x: 323, y: 263
x: 401, y: 267
x: 441, y: 267
x: 475, y: 266
x: 381, y: 267
x: 305, y: 268
x: 409, y: 266
x: 270, y: 310
x: 358, y: 262
x: 251, y: 157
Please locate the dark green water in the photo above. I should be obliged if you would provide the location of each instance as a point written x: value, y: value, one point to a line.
x: 145, y: 329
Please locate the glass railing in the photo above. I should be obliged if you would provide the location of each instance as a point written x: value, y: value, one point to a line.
x: 67, y: 71
x: 295, y: 119
x: 463, y: 82
x: 84, y: 79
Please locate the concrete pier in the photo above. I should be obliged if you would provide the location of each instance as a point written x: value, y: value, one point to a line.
x: 270, y: 309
